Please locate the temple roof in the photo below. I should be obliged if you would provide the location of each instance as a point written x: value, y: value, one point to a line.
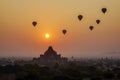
x: 50, y: 51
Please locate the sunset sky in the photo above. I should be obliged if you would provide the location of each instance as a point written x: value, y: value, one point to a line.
x: 18, y: 37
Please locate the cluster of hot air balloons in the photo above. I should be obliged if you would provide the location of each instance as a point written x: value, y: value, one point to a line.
x: 34, y: 23
x: 80, y: 17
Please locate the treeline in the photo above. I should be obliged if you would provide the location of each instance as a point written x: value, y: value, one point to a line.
x: 71, y: 71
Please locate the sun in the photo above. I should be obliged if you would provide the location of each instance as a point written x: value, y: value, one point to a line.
x: 47, y: 35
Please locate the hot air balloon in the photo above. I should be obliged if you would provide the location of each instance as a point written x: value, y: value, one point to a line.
x: 80, y: 17
x: 34, y: 23
x: 104, y: 10
x: 97, y: 21
x: 91, y: 28
x: 64, y: 31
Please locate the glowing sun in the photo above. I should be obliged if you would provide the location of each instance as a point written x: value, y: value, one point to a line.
x: 47, y: 35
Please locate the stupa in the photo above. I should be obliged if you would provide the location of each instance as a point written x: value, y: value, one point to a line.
x: 50, y: 57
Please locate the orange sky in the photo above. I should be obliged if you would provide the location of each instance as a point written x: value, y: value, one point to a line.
x: 18, y: 37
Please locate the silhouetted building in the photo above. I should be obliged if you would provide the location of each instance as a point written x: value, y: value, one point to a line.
x: 50, y: 57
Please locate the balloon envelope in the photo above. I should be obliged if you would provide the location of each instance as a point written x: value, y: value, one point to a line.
x: 98, y: 21
x: 64, y: 31
x: 104, y: 10
x: 34, y: 23
x: 80, y: 17
x: 91, y: 28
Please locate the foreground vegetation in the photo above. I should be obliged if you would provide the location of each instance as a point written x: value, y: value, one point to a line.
x: 71, y: 71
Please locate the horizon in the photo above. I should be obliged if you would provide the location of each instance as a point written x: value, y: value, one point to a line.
x: 69, y: 57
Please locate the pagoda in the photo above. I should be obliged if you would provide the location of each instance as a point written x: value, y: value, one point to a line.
x: 50, y: 57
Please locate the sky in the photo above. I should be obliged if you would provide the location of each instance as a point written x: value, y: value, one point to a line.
x: 18, y: 37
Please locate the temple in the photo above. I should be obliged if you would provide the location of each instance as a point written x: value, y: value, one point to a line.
x: 50, y: 57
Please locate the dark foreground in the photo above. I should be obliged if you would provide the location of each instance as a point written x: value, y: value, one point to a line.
x: 73, y: 70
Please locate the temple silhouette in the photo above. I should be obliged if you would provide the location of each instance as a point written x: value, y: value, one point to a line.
x: 50, y: 57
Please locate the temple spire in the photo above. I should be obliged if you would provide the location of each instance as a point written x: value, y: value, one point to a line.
x: 50, y: 48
